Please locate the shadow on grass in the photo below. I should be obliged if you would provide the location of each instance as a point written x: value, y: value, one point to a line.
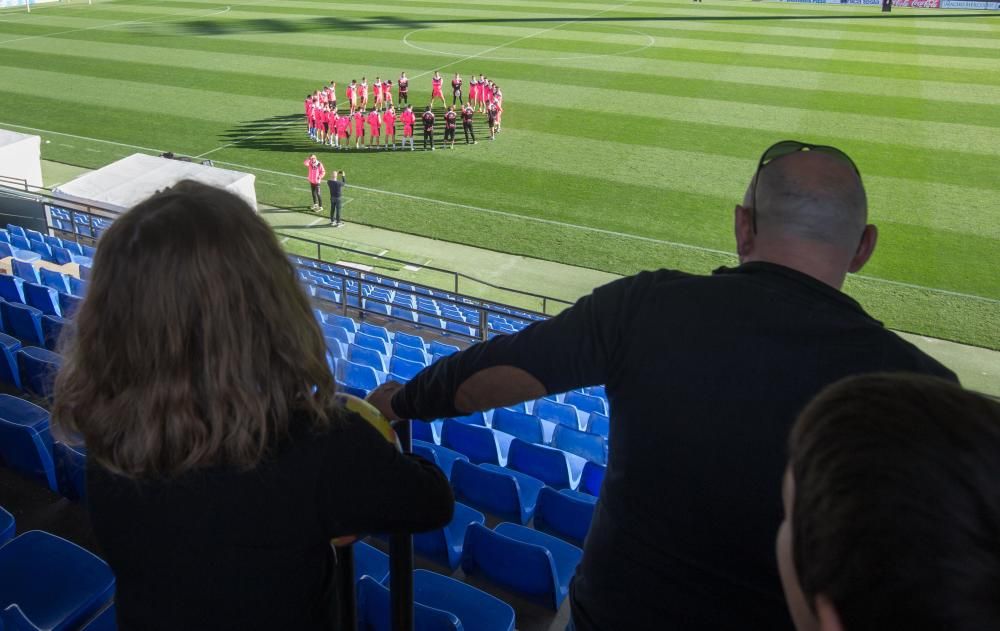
x: 335, y: 24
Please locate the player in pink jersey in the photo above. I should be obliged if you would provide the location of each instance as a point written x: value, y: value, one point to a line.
x: 436, y: 89
x: 331, y: 126
x: 313, y: 125
x: 363, y: 94
x: 343, y: 124
x: 331, y: 94
x: 389, y: 120
x: 359, y: 128
x: 408, y: 119
x: 387, y: 92
x: 377, y: 86
x: 352, y: 95
x: 308, y: 104
x: 374, y: 130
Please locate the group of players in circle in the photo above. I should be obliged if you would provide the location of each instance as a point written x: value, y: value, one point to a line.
x: 328, y: 126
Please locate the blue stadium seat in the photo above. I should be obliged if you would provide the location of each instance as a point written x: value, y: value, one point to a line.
x: 366, y: 356
x: 427, y: 431
x: 518, y: 407
x: 4, y: 235
x: 61, y: 255
x: 41, y: 249
x: 443, y: 457
x: 88, y: 251
x: 54, y: 583
x: 372, y: 342
x: 9, y: 372
x: 583, y: 444
x: 524, y: 426
x: 53, y: 280
x: 16, y: 410
x: 11, y: 288
x: 552, y: 466
x: 5, y: 250
x: 68, y: 304
x: 406, y: 339
x: 374, y: 306
x: 409, y: 353
x: 355, y: 379
x: 19, y: 242
x: 430, y: 321
x: 25, y: 271
x: 558, y: 413
x: 42, y: 298
x: 24, y: 449
x: 480, y: 444
x: 599, y: 424
x: 38, y: 368
x: 565, y: 514
x: 342, y: 321
x: 104, y: 621
x: 585, y: 402
x: 336, y: 348
x: 404, y: 367
x: 531, y: 563
x: 444, y: 546
x: 71, y: 470
x: 84, y: 271
x: 406, y: 315
x: 52, y: 242
x: 13, y: 229
x: 337, y: 332
x: 505, y: 493
x: 374, y: 610
x: 440, y: 348
x: 475, y: 418
x: 375, y: 331
x: 77, y: 287
x: 591, y: 478
x: 23, y: 322
x: 34, y: 235
x: 7, y: 526
x: 477, y: 610
x: 73, y: 247
x: 370, y: 561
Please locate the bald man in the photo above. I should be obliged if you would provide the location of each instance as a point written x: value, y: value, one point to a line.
x: 705, y: 376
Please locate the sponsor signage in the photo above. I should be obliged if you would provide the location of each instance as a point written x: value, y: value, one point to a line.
x: 969, y: 4
x: 918, y: 4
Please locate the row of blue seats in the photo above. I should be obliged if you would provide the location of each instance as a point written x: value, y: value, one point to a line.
x: 51, y: 249
x: 12, y: 287
x: 83, y: 224
x: 27, y: 447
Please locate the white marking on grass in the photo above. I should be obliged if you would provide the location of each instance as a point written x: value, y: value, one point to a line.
x: 383, y: 253
x: 411, y: 268
x: 521, y: 39
x: 650, y: 41
x: 357, y: 266
x: 441, y: 202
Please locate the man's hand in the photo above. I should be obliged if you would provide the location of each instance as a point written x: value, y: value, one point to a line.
x: 381, y: 398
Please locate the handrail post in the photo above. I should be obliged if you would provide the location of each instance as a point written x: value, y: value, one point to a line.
x: 484, y: 321
x: 401, y: 559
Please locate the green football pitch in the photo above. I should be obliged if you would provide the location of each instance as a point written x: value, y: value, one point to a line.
x: 630, y: 128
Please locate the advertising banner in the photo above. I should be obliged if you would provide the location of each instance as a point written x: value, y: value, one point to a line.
x: 918, y: 4
x: 969, y: 4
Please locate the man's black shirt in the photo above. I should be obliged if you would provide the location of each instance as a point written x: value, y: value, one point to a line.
x: 428, y: 119
x: 705, y: 376
x: 336, y: 186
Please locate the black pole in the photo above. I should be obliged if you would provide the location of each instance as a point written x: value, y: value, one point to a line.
x: 401, y: 559
x: 348, y: 601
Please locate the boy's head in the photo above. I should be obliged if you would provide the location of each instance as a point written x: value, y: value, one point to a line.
x: 892, y: 508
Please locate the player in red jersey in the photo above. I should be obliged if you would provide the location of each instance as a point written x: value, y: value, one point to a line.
x: 359, y: 128
x: 313, y: 120
x: 377, y: 86
x: 389, y: 120
x: 308, y: 106
x: 468, y: 113
x: 374, y: 130
x: 331, y: 126
x: 404, y: 89
x: 343, y: 125
x: 449, y: 127
x: 436, y: 90
x: 363, y: 95
x: 408, y: 119
x: 456, y: 89
x: 352, y: 96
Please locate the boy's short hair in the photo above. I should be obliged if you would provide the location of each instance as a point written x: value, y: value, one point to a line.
x: 896, y: 515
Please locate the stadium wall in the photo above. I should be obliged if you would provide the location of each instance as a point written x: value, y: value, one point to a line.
x: 6, y: 4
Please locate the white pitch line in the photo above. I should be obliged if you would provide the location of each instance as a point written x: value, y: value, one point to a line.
x: 521, y: 39
x: 442, y: 202
x: 107, y: 26
x: 236, y: 142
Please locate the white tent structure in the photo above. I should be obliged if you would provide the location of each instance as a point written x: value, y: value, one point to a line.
x: 121, y: 185
x: 20, y: 159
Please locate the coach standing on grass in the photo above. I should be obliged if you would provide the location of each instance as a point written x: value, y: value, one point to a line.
x: 705, y: 375
x: 316, y: 174
x: 336, y: 184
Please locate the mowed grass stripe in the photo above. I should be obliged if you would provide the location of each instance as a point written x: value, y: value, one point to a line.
x: 408, y: 58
